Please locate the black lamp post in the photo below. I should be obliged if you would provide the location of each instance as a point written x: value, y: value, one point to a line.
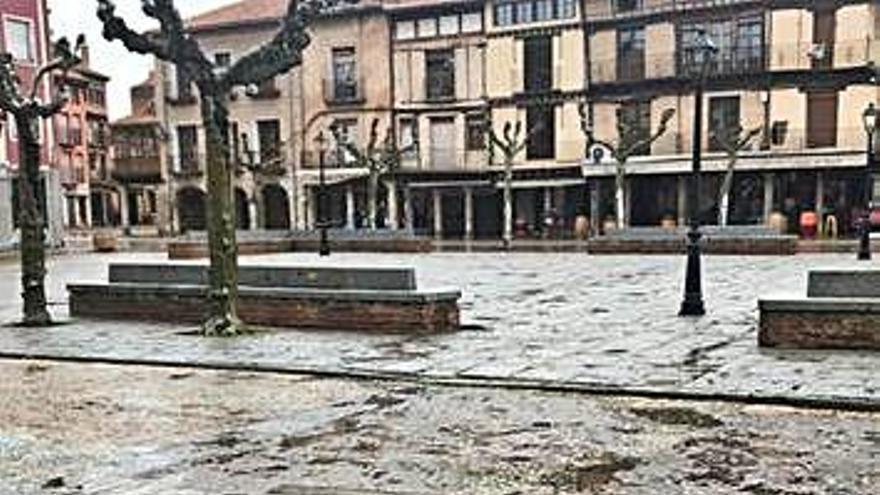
x: 869, y: 118
x: 322, y: 223
x: 704, y: 51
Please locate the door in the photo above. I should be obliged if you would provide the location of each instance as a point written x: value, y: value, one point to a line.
x: 822, y: 119
x: 824, y: 26
x: 443, y: 144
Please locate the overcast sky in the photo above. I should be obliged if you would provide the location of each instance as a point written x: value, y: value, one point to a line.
x: 71, y: 17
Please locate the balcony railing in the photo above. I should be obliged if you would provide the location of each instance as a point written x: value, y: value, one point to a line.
x: 740, y: 61
x: 190, y: 165
x: 137, y: 170
x: 605, y: 11
x: 344, y: 92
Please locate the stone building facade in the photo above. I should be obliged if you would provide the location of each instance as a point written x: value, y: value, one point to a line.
x: 435, y: 72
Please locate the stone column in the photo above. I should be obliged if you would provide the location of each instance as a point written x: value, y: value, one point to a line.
x: 408, y: 219
x: 768, y: 197
x: 349, y: 208
x: 438, y: 213
x: 124, y: 218
x: 548, y: 200
x: 595, y: 206
x: 393, y: 215
x: 468, y: 213
x: 253, y: 213
x: 682, y: 199
x: 820, y: 201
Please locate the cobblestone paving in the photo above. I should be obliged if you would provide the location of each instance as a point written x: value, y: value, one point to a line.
x: 78, y: 429
x: 561, y: 318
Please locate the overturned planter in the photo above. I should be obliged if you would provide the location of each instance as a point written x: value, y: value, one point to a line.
x: 364, y: 299
x: 841, y: 311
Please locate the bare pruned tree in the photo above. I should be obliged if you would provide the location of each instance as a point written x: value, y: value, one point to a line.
x: 27, y: 108
x: 732, y: 141
x: 630, y: 141
x: 511, y: 143
x: 174, y: 45
x: 379, y: 159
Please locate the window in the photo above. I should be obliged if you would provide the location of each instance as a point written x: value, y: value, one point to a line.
x: 724, y: 121
x: 504, y: 14
x: 345, y: 87
x: 74, y: 130
x: 740, y: 43
x: 512, y: 12
x: 348, y: 130
x: 18, y: 39
x: 409, y: 133
x: 475, y: 128
x: 449, y: 25
x: 440, y: 70
x: 187, y: 147
x: 822, y: 119
x: 269, y: 134
x: 541, y: 143
x: 472, y: 23
x: 222, y: 60
x: 635, y: 121
x: 631, y: 53
x: 627, y: 5
x: 538, y: 64
x: 427, y: 28
x: 184, y: 85
x: 405, y: 30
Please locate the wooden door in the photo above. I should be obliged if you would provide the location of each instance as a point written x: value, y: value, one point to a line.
x: 443, y: 144
x: 822, y: 119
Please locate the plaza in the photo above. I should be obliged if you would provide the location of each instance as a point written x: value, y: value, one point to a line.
x: 556, y: 334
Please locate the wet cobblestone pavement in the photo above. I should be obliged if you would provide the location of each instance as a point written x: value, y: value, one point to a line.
x: 570, y: 319
x: 97, y: 429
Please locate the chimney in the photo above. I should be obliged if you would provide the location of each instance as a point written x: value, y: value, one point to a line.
x: 85, y: 56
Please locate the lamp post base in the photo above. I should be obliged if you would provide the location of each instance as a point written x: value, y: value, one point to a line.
x: 693, y: 289
x: 324, y: 247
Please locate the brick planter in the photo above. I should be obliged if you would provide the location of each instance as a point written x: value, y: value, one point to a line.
x: 820, y: 324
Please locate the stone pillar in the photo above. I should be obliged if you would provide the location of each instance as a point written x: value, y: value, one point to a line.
x: 682, y: 199
x: 595, y: 206
x: 548, y: 200
x: 124, y: 217
x: 393, y: 216
x: 768, y: 197
x: 820, y: 201
x: 253, y: 213
x: 408, y: 219
x: 468, y: 213
x: 438, y: 213
x: 349, y: 208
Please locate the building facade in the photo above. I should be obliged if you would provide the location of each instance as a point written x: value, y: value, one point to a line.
x: 25, y: 36
x: 81, y: 153
x: 434, y: 74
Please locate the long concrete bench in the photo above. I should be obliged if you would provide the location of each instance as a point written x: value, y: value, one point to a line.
x: 841, y: 311
x: 736, y: 240
x: 369, y: 299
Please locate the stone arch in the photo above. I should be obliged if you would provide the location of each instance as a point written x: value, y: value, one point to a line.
x: 276, y: 208
x: 191, y: 209
x: 242, y: 210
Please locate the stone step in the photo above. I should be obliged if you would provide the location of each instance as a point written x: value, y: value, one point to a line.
x: 844, y: 283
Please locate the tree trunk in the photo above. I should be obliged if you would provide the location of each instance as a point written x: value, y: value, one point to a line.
x: 223, y: 290
x: 724, y: 196
x: 372, y: 198
x: 30, y: 217
x: 620, y: 196
x: 508, y: 202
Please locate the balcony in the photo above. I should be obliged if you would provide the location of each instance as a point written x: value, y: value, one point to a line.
x: 266, y: 90
x: 190, y: 166
x: 143, y: 170
x: 619, y: 11
x: 444, y: 159
x: 72, y: 176
x: 344, y: 92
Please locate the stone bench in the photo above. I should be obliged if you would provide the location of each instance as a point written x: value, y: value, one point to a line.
x: 368, y: 299
x: 841, y: 311
x: 737, y: 240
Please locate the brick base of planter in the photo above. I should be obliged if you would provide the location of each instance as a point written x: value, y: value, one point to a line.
x: 385, y: 311
x: 820, y: 324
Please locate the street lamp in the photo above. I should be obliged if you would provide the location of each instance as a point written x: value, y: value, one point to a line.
x: 704, y: 51
x: 870, y: 119
x: 322, y: 223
